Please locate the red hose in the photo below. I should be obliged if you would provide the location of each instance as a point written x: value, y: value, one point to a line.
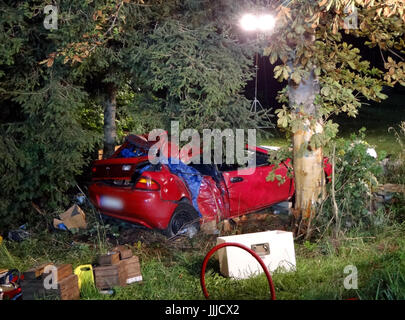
x: 254, y: 254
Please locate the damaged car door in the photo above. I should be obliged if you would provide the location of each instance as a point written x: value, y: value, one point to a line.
x: 250, y: 191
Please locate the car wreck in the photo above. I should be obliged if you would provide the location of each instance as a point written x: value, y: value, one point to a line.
x: 176, y: 198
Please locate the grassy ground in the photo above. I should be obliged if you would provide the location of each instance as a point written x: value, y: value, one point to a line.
x: 377, y: 118
x: 171, y: 269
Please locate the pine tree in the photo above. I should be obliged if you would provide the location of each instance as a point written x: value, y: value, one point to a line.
x: 165, y: 60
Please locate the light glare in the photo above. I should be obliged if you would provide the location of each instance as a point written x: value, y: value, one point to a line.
x: 266, y: 22
x: 250, y: 22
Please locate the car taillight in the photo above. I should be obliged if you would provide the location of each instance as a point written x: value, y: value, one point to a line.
x: 94, y: 169
x: 146, y: 183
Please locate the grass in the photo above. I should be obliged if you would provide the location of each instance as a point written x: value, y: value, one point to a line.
x: 173, y: 273
x: 377, y: 118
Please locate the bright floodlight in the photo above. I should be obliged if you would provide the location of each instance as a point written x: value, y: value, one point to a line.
x: 250, y: 22
x: 266, y: 22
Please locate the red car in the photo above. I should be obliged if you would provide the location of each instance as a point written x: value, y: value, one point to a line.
x: 128, y: 187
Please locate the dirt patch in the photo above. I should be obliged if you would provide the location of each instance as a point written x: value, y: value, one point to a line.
x: 143, y: 235
x: 255, y: 222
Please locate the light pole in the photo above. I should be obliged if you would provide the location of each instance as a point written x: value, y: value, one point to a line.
x: 257, y: 23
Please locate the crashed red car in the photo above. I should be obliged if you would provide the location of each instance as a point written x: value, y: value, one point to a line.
x: 168, y: 197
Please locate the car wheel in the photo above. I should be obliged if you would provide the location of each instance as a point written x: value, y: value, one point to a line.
x: 185, y: 221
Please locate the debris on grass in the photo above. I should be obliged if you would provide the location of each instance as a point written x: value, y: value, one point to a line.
x: 73, y: 218
x: 118, y: 269
x: 19, y: 234
x: 39, y: 282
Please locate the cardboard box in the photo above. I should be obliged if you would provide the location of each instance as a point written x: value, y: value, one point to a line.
x: 275, y: 248
x: 3, y: 273
x: 73, y: 218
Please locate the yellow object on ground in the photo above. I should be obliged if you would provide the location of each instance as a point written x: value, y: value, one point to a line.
x: 84, y: 274
x: 1, y: 239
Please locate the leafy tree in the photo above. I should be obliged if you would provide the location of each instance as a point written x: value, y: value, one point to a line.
x: 161, y: 59
x: 179, y: 57
x: 42, y: 143
x: 326, y: 75
x: 199, y: 70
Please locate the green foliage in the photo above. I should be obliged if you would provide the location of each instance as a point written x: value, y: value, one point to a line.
x: 194, y: 68
x: 180, y: 59
x: 42, y: 143
x: 356, y: 177
x: 275, y: 158
x: 396, y: 172
x: 44, y: 153
x: 308, y: 39
x: 170, y: 273
x: 171, y: 60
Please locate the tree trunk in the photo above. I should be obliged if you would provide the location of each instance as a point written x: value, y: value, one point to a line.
x: 110, y: 130
x: 307, y: 162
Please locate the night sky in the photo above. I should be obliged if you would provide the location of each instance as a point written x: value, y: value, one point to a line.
x: 268, y: 87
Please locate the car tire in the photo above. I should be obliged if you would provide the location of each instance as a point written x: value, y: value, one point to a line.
x: 184, y: 216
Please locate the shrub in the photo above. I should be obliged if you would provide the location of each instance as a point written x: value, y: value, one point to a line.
x: 396, y: 167
x: 356, y: 175
x: 43, y: 154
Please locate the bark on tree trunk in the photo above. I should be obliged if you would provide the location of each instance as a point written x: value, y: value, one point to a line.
x: 110, y: 130
x: 308, y: 163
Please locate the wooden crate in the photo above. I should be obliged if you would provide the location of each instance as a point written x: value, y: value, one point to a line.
x: 68, y: 288
x: 107, y: 277
x: 124, y: 252
x: 109, y: 259
x: 67, y: 284
x: 35, y: 272
x: 133, y: 269
x: 63, y: 271
x: 34, y: 289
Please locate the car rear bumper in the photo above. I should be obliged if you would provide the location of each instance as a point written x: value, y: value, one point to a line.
x: 142, y: 207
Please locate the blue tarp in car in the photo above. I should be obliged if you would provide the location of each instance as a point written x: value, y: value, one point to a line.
x: 192, y: 177
x: 127, y: 153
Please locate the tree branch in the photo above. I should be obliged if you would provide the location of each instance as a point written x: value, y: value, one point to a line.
x: 382, y: 55
x: 396, y: 54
